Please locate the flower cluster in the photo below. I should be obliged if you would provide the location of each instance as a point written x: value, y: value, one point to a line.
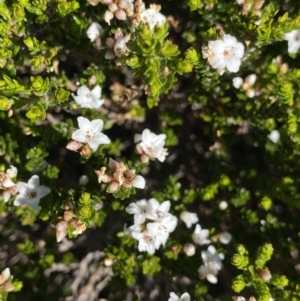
x: 152, y: 224
x: 87, y: 98
x: 69, y: 221
x: 251, y: 6
x: 151, y: 146
x: 121, y: 9
x: 89, y: 133
x: 246, y: 84
x: 7, y: 183
x: 120, y: 177
x: 151, y: 15
x: 293, y: 39
x: 183, y: 297
x: 225, y: 53
x: 31, y: 192
x: 117, y: 45
x: 211, y: 264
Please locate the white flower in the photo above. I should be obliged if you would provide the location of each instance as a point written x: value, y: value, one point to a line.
x: 211, y: 255
x: 189, y: 249
x: 152, y: 17
x: 94, y: 31
x: 31, y: 192
x: 189, y: 218
x: 162, y: 229
x: 184, y: 297
x: 209, y: 271
x: 140, y: 210
x: 117, y: 45
x: 200, y: 236
x: 293, y: 39
x: 151, y: 145
x: 87, y: 98
x: 158, y: 211
x: 146, y: 241
x: 225, y: 53
x: 225, y: 238
x: 90, y: 132
x: 274, y: 136
x: 4, y: 275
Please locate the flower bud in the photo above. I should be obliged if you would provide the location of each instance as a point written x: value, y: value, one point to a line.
x: 68, y: 216
x: 189, y: 249
x: 74, y: 145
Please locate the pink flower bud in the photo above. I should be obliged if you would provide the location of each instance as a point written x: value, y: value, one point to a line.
x: 120, y: 14
x: 74, y: 145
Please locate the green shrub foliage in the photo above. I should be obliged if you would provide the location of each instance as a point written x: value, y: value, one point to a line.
x: 149, y: 150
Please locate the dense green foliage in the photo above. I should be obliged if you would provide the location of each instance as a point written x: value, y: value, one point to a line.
x: 223, y: 161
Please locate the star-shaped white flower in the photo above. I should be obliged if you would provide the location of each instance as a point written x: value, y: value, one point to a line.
x: 200, y: 236
x: 184, y: 297
x: 189, y: 218
x: 225, y: 53
x: 140, y: 211
x: 31, y: 192
x: 90, y: 132
x: 151, y: 145
x: 87, y: 98
x: 293, y: 39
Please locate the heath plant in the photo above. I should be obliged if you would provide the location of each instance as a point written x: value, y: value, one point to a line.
x: 149, y: 150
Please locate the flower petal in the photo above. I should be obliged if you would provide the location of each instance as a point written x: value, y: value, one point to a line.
x: 79, y: 135
x: 96, y: 125
x: 139, y: 182
x: 43, y: 191
x: 83, y: 123
x: 34, y: 181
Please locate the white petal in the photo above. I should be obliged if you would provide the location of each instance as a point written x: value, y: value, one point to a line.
x: 83, y: 91
x: 173, y: 297
x: 34, y: 181
x: 7, y: 183
x: 79, y: 135
x: 22, y: 188
x: 229, y: 40
x: 233, y: 64
x: 21, y: 200
x: 101, y: 138
x: 94, y: 144
x: 218, y: 62
x: 185, y: 297
x: 12, y: 171
x: 83, y: 123
x: 96, y: 125
x: 212, y: 278
x: 139, y: 182
x: 96, y: 92
x: 43, y: 191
